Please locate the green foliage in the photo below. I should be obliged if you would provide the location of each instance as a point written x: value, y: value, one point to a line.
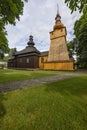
x: 76, y: 4
x: 6, y: 58
x: 56, y: 106
x: 10, y: 10
x: 80, y: 30
x: 3, y: 45
x: 3, y: 40
x: 11, y: 52
x: 72, y: 48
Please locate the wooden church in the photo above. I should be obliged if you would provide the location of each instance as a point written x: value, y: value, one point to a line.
x: 57, y: 58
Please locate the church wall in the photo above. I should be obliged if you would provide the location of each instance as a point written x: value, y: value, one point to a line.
x: 42, y: 59
x: 36, y: 61
x: 68, y: 65
x: 27, y: 62
x: 60, y: 65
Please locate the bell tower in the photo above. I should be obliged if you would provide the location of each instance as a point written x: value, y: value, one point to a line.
x: 58, y: 48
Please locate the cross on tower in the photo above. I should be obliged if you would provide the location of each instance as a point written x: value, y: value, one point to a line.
x: 57, y: 8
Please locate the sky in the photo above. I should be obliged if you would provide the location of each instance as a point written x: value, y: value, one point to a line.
x: 38, y: 20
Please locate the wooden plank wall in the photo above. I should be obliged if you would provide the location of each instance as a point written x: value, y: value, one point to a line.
x: 69, y: 65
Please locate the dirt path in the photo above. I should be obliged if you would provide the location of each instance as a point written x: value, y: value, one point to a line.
x: 10, y: 86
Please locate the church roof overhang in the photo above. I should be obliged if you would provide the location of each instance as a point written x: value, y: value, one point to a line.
x: 27, y: 50
x: 28, y: 54
x: 44, y: 53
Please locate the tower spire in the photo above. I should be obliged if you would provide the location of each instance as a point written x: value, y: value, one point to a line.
x: 57, y: 8
x: 58, y: 23
x: 58, y: 17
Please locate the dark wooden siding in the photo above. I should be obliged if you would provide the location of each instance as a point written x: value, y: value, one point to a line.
x: 25, y: 62
x: 30, y: 61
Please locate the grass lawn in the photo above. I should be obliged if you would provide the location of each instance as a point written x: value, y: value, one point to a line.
x: 60, y: 105
x: 14, y: 75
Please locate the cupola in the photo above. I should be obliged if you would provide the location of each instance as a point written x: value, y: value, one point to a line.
x: 58, y: 24
x: 31, y: 42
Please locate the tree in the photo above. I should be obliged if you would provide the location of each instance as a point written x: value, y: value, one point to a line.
x: 80, y: 30
x: 72, y: 48
x: 11, y: 52
x: 76, y: 4
x: 3, y: 41
x: 10, y: 10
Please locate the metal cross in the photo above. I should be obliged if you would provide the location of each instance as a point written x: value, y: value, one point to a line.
x: 57, y: 9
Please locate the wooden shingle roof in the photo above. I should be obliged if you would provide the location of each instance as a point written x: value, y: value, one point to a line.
x: 44, y: 53
x: 28, y: 49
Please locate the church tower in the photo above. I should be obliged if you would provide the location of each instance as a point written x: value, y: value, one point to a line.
x: 58, y: 48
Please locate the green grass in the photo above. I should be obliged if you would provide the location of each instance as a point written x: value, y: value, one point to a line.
x: 60, y: 105
x: 14, y: 75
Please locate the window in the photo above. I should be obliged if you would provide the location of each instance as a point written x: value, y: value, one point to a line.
x: 27, y: 60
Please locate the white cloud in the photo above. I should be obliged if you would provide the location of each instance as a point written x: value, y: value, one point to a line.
x: 38, y: 19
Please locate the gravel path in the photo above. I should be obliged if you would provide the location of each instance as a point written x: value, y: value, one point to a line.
x: 10, y: 86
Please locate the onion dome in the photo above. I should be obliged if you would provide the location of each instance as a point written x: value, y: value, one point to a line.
x: 31, y: 42
x: 58, y: 23
x: 30, y: 49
